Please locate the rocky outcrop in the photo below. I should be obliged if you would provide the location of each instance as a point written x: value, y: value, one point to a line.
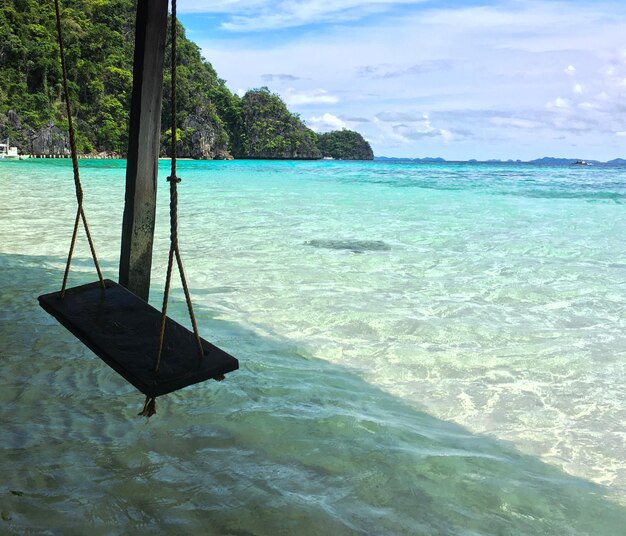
x: 344, y: 145
x: 13, y: 119
x: 47, y: 140
x: 270, y: 131
x: 203, y: 137
x: 213, y: 122
x: 10, y: 127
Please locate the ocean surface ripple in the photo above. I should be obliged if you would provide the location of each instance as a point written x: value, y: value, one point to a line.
x: 424, y: 349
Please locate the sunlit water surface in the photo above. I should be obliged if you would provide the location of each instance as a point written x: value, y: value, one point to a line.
x: 424, y: 349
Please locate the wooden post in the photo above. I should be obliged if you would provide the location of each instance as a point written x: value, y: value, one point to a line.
x: 143, y: 147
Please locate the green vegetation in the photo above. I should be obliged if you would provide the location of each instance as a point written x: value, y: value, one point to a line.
x: 99, y: 47
x: 99, y: 40
x: 344, y: 145
x: 271, y: 131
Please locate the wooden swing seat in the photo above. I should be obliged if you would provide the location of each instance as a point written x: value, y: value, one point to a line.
x: 123, y: 331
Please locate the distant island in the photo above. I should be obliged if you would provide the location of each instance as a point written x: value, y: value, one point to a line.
x: 546, y: 160
x: 344, y: 145
x: 214, y: 123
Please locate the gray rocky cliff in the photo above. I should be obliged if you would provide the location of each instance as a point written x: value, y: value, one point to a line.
x: 47, y: 140
x: 201, y: 136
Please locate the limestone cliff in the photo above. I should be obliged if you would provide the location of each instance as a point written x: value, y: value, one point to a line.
x: 344, y: 145
x: 201, y: 136
x: 270, y: 131
x: 99, y: 37
x: 47, y: 139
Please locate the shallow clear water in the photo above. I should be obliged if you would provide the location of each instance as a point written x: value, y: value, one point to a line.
x: 424, y: 349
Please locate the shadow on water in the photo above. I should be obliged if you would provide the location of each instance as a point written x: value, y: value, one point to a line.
x: 289, y: 444
x: 353, y: 245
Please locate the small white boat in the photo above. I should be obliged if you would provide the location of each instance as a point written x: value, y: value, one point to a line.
x: 6, y: 151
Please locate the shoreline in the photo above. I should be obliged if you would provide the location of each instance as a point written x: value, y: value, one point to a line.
x: 86, y: 156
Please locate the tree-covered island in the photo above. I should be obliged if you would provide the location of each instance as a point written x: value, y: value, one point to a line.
x: 99, y: 38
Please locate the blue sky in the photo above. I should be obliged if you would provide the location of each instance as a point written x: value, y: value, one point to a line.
x: 457, y: 79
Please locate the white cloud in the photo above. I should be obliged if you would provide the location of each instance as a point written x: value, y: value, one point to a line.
x: 281, y: 77
x: 588, y: 105
x: 389, y: 70
x: 621, y: 133
x: 220, y: 6
x: 514, y: 122
x: 326, y: 122
x: 313, y: 96
x: 262, y: 15
x: 559, y: 102
x: 372, y: 67
x: 406, y: 128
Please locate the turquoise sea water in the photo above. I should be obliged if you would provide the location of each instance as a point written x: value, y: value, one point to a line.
x: 424, y: 349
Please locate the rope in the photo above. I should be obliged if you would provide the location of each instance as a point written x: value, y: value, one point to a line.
x: 174, y: 249
x: 80, y: 213
x: 149, y: 407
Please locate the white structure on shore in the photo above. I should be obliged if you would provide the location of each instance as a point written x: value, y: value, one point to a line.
x: 6, y: 151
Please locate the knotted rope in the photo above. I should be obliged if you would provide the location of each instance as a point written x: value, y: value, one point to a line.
x: 149, y: 408
x: 80, y: 213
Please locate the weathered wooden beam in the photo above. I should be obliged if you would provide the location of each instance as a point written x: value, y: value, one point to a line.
x: 143, y: 147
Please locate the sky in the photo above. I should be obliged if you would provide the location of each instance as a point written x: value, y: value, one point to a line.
x: 457, y: 79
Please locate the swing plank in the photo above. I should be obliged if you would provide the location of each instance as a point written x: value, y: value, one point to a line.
x: 122, y: 330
